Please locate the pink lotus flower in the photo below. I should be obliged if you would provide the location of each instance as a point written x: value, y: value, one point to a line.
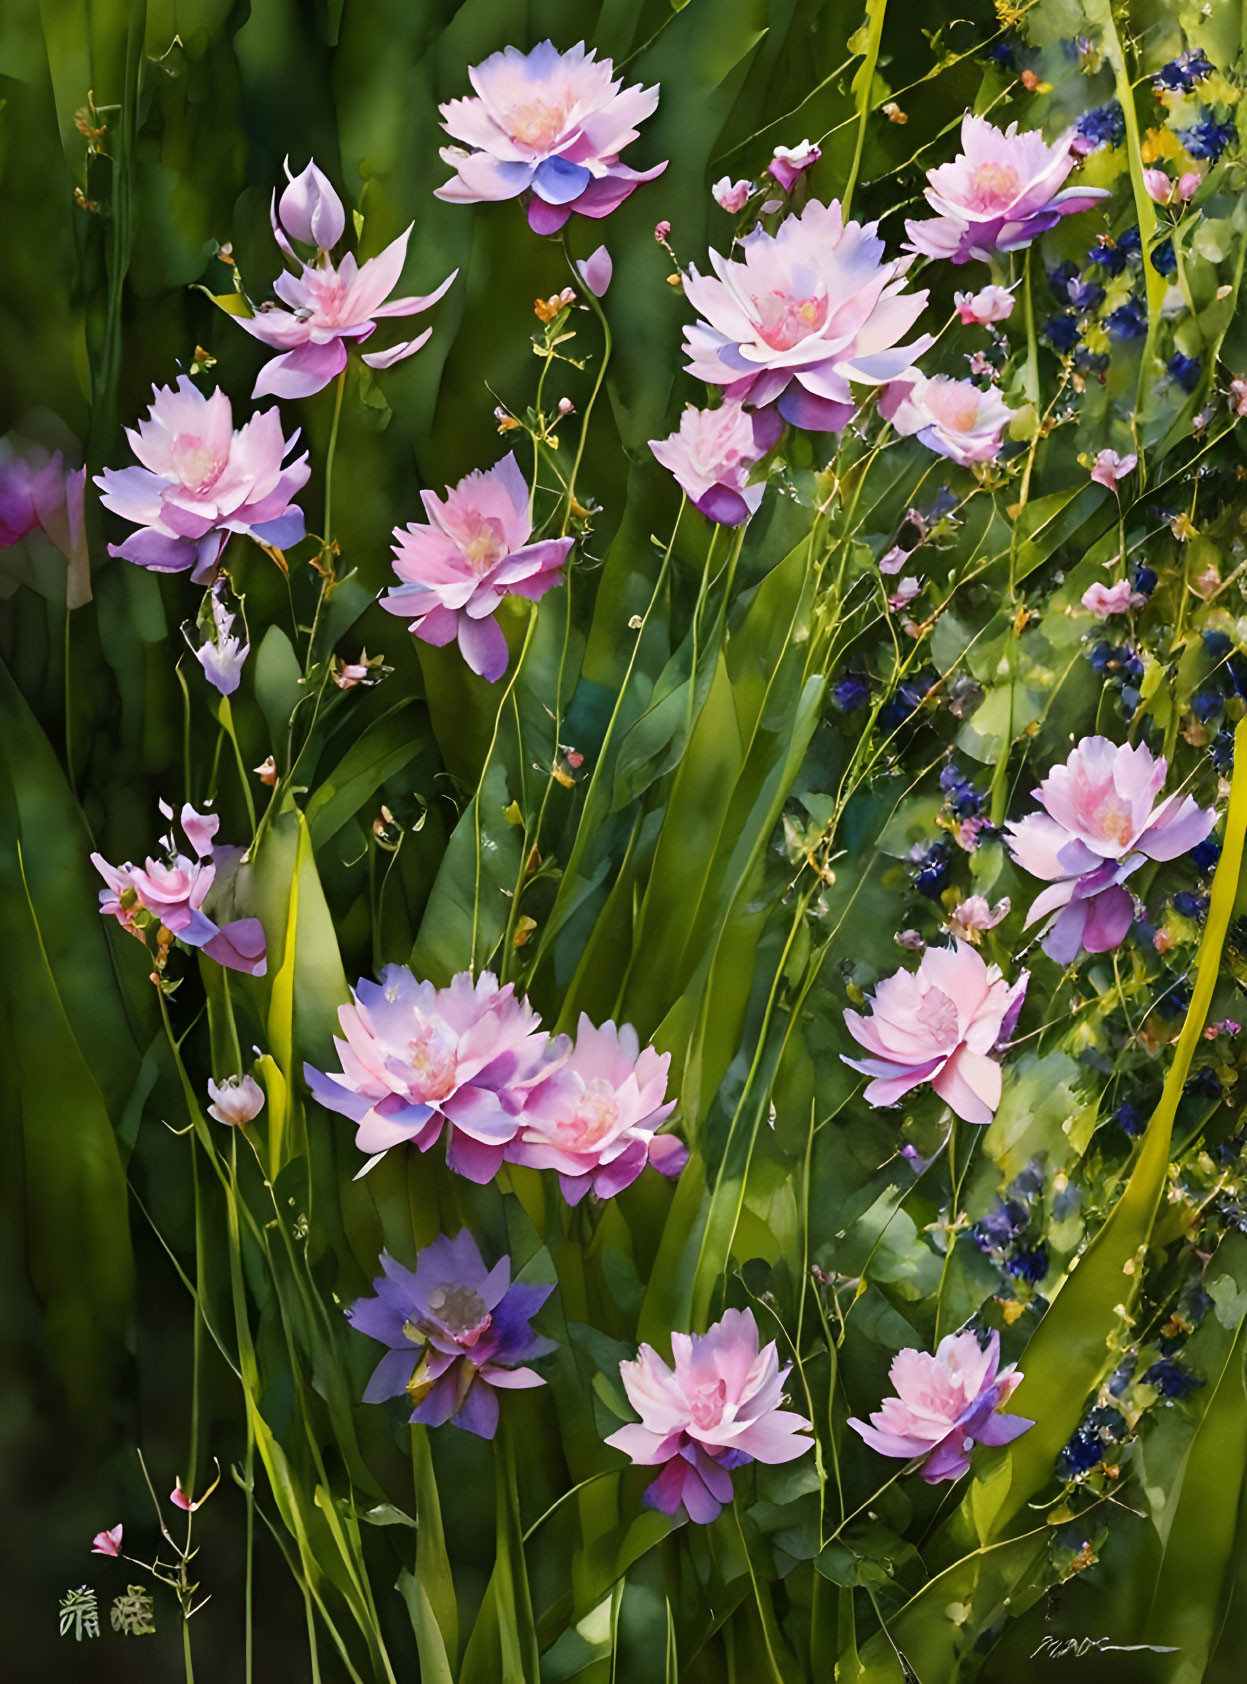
x: 791, y: 162
x: 711, y: 454
x: 222, y: 655
x: 1109, y: 467
x: 800, y: 315
x: 1101, y: 822
x: 416, y: 1058
x: 38, y: 494
x: 939, y: 1024
x: 107, y: 1543
x: 199, y: 481
x: 327, y: 307
x: 974, y: 915
x: 235, y: 1100
x: 1103, y: 600
x: 945, y: 1404
x: 171, y: 892
x: 1000, y: 192
x: 593, y: 1119
x: 731, y: 196
x: 473, y: 551
x: 716, y: 1408
x: 991, y: 304
x: 954, y: 418
x: 549, y: 124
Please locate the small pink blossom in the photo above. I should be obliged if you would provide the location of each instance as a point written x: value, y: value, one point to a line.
x: 593, y: 1119
x: 954, y: 418
x: 419, y: 1060
x: 939, y: 1024
x: 661, y: 231
x: 548, y: 124
x: 790, y: 162
x: 199, y: 480
x: 473, y: 550
x: 1189, y: 185
x: 945, y: 1404
x: 1109, y: 467
x: 999, y: 194
x: 1102, y: 820
x: 711, y: 454
x: 235, y: 1100
x: 801, y: 315
x: 171, y: 892
x: 107, y: 1543
x: 182, y: 1499
x: 1159, y: 187
x: 327, y: 307
x: 990, y: 304
x: 981, y: 365
x: 905, y: 592
x: 716, y: 1407
x: 731, y: 196
x: 974, y: 915
x: 1103, y: 600
x: 596, y: 271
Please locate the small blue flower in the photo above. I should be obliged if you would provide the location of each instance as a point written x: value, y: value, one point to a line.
x: 1120, y: 1377
x: 908, y: 698
x: 1223, y: 752
x: 960, y: 792
x: 1083, y: 1452
x: 931, y: 870
x: 1061, y: 332
x: 851, y: 691
x: 1171, y: 1380
x: 1182, y: 73
x: 1107, y: 1423
x: 1130, y: 1119
x: 1128, y: 321
x: 1163, y: 259
x: 1027, y: 1182
x: 1174, y: 1001
x: 1185, y: 370
x: 1217, y: 643
x: 1084, y: 295
x: 1207, y: 703
x: 1203, y: 1084
x: 1060, y: 279
x: 1206, y: 854
x: 1001, y: 1226
x: 1190, y: 905
x: 1030, y: 1265
x: 1207, y: 139
x: 1001, y: 53
x: 1105, y: 126
x: 1090, y: 362
x: 1144, y: 580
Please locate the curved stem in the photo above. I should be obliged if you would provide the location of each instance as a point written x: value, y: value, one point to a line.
x: 326, y: 542
x: 590, y: 298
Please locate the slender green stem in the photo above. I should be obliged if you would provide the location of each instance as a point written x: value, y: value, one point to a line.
x: 326, y: 546
x: 186, y: 1651
x: 607, y: 344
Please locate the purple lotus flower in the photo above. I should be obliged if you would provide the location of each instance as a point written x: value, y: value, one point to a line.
x: 954, y: 418
x: 327, y: 306
x: 171, y: 892
x: 593, y: 1119
x: 945, y: 1404
x: 1000, y: 192
x: 199, y: 481
x: 800, y: 315
x: 711, y: 454
x: 416, y: 1058
x: 1101, y: 822
x: 939, y: 1024
x: 457, y: 1334
x: 473, y: 551
x: 549, y: 124
x: 222, y: 655
x: 716, y: 1408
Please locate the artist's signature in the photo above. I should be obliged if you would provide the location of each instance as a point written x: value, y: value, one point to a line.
x: 1074, y: 1648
